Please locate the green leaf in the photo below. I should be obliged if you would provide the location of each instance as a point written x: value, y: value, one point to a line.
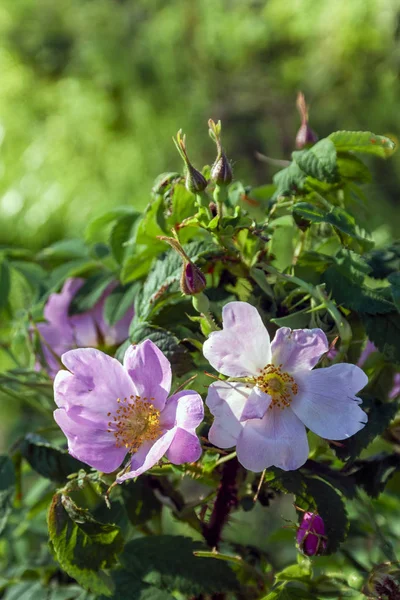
x: 167, y: 562
x: 394, y: 279
x: 289, y: 181
x: 140, y: 502
x: 47, y: 460
x: 182, y: 206
x: 345, y: 281
x: 4, y: 283
x: 289, y: 593
x: 97, y: 230
x: 319, y: 162
x: 351, y: 167
x: 82, y: 545
x: 7, y: 489
x: 384, y: 332
x: 379, y: 416
x: 384, y: 261
x: 128, y: 586
x: 121, y: 233
x: 90, y: 293
x: 295, y: 573
x: 331, y: 508
x: 119, y: 302
x: 362, y: 141
x: 372, y: 474
x: 64, y: 250
x: 176, y: 353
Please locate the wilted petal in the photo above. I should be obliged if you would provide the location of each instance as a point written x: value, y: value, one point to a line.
x: 185, y: 447
x: 150, y: 370
x: 93, y: 446
x: 278, y: 439
x: 148, y: 455
x: 298, y: 349
x: 326, y: 401
x: 242, y: 348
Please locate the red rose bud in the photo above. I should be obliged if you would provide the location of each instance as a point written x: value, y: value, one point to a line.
x: 221, y: 171
x: 311, y: 535
x: 195, y: 182
x: 305, y: 136
x: 193, y: 280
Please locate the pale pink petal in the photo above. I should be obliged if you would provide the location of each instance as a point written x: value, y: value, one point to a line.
x: 151, y: 372
x: 94, y: 385
x: 256, y: 405
x: 298, y: 349
x: 326, y: 401
x: 95, y: 447
x: 148, y: 455
x: 243, y: 347
x: 226, y: 401
x: 185, y: 448
x: 279, y: 439
x: 184, y: 409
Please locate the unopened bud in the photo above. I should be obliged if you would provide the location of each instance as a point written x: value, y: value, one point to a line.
x: 305, y: 136
x: 194, y: 180
x: 221, y: 171
x: 311, y: 536
x: 193, y: 280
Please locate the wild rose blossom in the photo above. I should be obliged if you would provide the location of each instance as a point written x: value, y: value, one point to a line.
x: 311, y: 533
x: 61, y: 332
x: 265, y: 415
x: 107, y: 410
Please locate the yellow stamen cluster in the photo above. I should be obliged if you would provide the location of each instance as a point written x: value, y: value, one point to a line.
x: 278, y: 384
x: 136, y: 421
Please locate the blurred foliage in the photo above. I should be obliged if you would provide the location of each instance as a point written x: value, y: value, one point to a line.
x: 92, y: 92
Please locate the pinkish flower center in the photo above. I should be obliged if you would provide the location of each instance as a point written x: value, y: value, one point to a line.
x: 278, y: 384
x: 136, y: 421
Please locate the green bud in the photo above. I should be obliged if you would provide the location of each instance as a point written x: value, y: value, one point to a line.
x: 201, y: 303
x: 194, y: 180
x: 221, y: 171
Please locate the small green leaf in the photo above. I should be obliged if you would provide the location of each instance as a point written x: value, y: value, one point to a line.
x: 7, y: 489
x: 394, y: 279
x: 289, y: 181
x: 97, y: 230
x: 82, y: 545
x: 352, y: 168
x: 64, y: 250
x: 121, y: 232
x: 47, y: 460
x: 362, y: 141
x: 295, y: 573
x: 319, y: 162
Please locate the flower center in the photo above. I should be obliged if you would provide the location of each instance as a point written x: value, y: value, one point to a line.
x: 278, y: 384
x: 136, y: 421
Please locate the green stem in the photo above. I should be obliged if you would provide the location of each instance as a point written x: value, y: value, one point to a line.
x: 220, y: 197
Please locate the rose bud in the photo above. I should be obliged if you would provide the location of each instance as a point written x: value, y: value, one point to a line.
x: 305, y: 136
x: 311, y: 535
x: 221, y: 171
x: 195, y: 182
x: 193, y: 280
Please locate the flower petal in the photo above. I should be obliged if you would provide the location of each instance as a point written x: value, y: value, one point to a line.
x: 185, y: 447
x: 256, y: 405
x: 57, y: 305
x: 93, y: 446
x: 226, y: 401
x: 150, y: 370
x: 278, y: 439
x: 298, y: 349
x: 184, y: 409
x: 148, y: 455
x: 326, y: 401
x: 242, y: 348
x: 93, y: 386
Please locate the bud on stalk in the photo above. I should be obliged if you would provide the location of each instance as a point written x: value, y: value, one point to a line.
x: 221, y: 171
x: 195, y: 182
x: 192, y: 280
x: 305, y: 136
x: 311, y: 535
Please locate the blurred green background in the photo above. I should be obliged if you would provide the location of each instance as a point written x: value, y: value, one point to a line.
x: 92, y: 91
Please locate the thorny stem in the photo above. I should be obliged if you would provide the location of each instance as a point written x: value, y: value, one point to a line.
x: 225, y: 501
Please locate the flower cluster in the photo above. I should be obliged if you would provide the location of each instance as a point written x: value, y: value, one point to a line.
x: 270, y: 395
x: 61, y: 332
